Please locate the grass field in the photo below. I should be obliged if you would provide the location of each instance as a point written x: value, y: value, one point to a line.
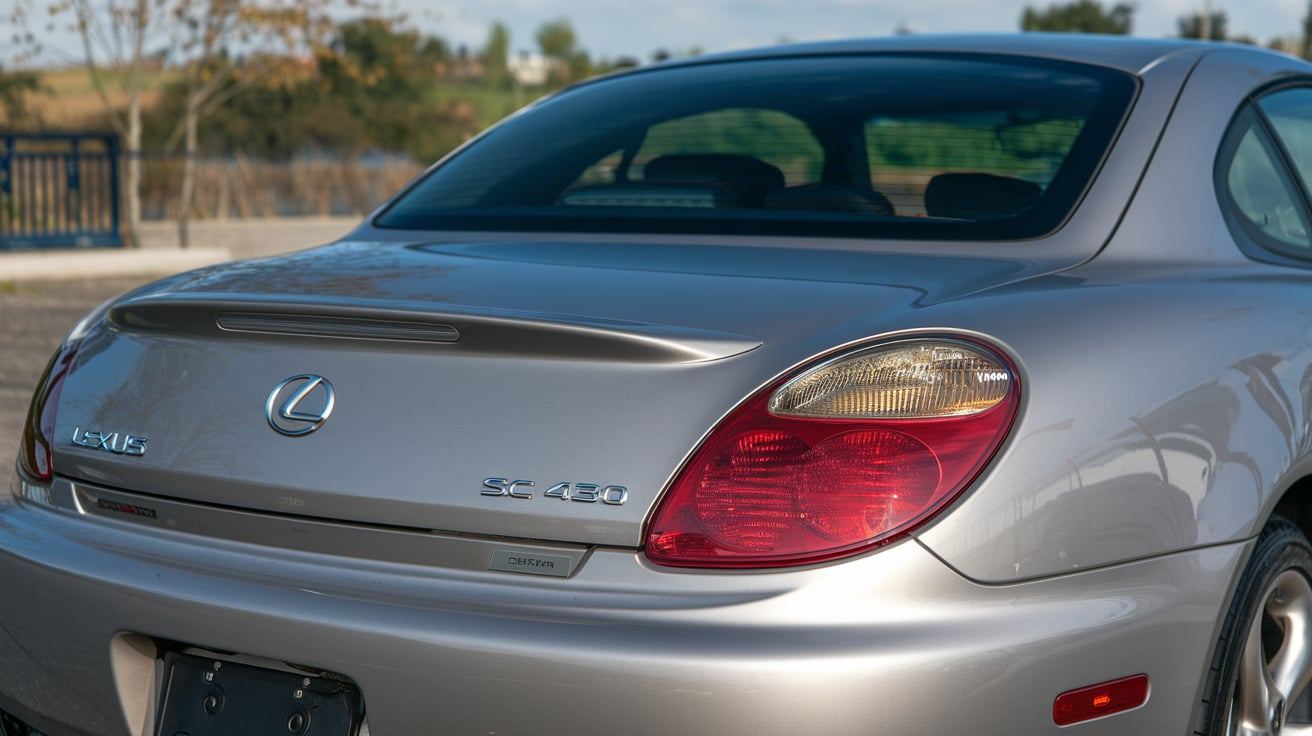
x: 68, y: 99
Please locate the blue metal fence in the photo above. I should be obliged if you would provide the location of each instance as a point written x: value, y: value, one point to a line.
x: 59, y: 190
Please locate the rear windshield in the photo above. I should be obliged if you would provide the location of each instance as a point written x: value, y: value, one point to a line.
x: 897, y: 145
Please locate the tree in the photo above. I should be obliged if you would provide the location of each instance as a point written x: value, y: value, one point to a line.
x: 372, y: 86
x: 1083, y: 16
x: 385, y: 77
x: 495, y: 55
x: 203, y: 32
x: 1193, y: 26
x: 1305, y: 47
x: 283, y: 107
x: 557, y: 41
x: 205, y: 27
x: 14, y: 89
x: 115, y: 39
x: 121, y: 41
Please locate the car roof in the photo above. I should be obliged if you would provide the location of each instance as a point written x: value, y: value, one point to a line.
x: 1119, y: 52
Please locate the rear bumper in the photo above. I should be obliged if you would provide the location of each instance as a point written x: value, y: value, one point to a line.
x: 894, y: 642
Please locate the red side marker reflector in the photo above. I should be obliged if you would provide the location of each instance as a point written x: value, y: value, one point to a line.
x: 1103, y: 699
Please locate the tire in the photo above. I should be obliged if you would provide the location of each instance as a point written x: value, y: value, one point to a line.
x: 1263, y: 658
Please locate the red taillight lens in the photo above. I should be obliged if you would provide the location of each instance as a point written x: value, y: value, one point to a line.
x: 858, y: 484
x: 845, y: 456
x: 744, y: 489
x: 34, y: 454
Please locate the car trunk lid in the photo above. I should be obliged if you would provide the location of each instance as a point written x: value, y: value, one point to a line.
x: 489, y: 389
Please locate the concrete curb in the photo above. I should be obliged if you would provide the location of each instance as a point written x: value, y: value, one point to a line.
x: 87, y: 263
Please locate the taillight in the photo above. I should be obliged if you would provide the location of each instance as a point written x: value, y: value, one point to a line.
x: 35, y: 451
x: 842, y: 457
x: 34, y: 454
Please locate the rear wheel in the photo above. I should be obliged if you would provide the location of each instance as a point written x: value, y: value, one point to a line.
x: 1263, y: 661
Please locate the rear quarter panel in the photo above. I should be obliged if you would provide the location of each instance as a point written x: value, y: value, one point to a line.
x: 1166, y: 383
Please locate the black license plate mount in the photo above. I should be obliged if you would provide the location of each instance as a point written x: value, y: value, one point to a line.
x: 203, y: 696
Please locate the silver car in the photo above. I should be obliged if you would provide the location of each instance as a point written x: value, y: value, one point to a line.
x: 910, y: 386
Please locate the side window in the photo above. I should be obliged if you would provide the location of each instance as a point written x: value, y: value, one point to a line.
x: 1263, y: 198
x: 1290, y: 113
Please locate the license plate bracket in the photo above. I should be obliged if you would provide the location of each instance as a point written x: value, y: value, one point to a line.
x: 203, y: 696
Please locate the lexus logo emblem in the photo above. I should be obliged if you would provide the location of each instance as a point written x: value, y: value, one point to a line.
x: 300, y: 404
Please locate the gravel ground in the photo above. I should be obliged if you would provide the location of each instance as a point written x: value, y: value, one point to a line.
x: 34, y: 317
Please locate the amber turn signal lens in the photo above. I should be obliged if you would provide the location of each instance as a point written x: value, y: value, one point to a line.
x: 916, y: 379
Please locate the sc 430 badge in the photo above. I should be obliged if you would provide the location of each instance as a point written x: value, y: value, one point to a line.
x: 119, y: 444
x: 581, y: 492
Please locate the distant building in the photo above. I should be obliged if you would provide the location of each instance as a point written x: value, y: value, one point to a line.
x: 531, y: 69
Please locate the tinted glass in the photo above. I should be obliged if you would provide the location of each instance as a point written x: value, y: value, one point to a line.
x: 971, y: 147
x: 1264, y: 198
x: 998, y: 147
x: 1290, y: 113
x: 777, y: 138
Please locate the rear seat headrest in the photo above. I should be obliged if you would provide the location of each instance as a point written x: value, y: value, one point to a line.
x: 977, y: 196
x: 748, y: 177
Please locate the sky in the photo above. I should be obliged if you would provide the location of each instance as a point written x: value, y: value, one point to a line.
x: 612, y: 28
x: 615, y: 28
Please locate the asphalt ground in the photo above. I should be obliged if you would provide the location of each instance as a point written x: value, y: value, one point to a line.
x: 34, y: 317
